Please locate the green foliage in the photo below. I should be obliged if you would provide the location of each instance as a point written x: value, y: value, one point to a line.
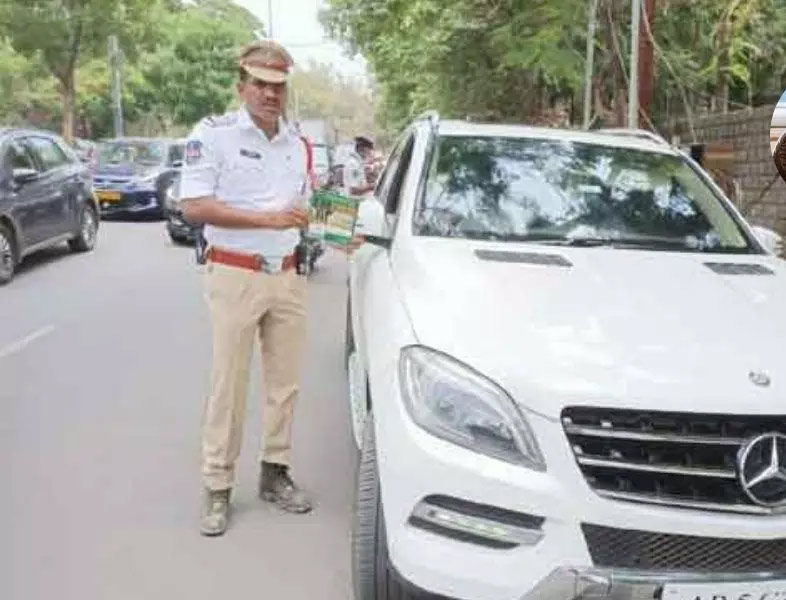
x: 521, y: 59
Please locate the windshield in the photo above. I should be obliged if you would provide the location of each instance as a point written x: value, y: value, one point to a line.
x: 555, y: 191
x: 138, y: 153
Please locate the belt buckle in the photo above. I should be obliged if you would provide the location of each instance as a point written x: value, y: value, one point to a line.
x: 271, y: 267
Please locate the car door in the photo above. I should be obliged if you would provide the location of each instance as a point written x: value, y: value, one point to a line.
x: 368, y: 255
x: 28, y: 198
x: 60, y: 184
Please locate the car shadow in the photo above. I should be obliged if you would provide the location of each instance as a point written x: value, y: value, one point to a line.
x: 41, y: 259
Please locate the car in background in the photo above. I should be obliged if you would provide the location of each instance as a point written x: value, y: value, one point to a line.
x: 85, y: 150
x: 132, y: 175
x: 180, y: 231
x: 46, y: 197
x: 564, y: 352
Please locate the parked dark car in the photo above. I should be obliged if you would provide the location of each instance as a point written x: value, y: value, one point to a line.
x: 46, y: 197
x: 180, y: 230
x: 132, y: 175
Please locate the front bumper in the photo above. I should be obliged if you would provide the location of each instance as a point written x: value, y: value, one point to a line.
x: 179, y: 228
x: 568, y: 583
x: 414, y: 466
x: 137, y: 203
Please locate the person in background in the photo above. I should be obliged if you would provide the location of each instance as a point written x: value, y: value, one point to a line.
x: 356, y: 184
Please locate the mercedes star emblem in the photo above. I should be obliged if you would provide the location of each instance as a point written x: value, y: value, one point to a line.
x: 759, y: 378
x: 762, y: 470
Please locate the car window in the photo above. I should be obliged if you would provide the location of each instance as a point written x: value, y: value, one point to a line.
x: 541, y: 189
x: 18, y: 157
x: 402, y: 168
x: 123, y: 152
x: 388, y: 174
x: 50, y: 154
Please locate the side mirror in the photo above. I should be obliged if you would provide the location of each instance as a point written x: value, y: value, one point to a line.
x: 23, y: 176
x: 771, y: 241
x: 371, y: 222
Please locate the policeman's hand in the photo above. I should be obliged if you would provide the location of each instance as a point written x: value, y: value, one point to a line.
x: 353, y: 244
x: 288, y: 219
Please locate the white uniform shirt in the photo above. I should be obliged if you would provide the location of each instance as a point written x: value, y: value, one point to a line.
x: 354, y: 174
x: 230, y: 158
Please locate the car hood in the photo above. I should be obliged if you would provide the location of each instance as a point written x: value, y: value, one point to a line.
x: 608, y: 327
x: 127, y: 170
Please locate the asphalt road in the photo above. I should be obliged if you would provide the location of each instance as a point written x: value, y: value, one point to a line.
x: 104, y: 362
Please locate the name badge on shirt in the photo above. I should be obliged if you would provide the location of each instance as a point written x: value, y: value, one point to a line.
x: 250, y: 154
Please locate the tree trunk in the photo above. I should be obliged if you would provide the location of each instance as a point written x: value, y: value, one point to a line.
x: 67, y: 96
x: 646, y: 58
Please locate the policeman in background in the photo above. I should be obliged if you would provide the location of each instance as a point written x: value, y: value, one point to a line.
x: 356, y: 184
x: 245, y: 178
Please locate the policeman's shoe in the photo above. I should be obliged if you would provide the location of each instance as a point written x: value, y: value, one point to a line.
x: 276, y: 486
x: 215, y: 512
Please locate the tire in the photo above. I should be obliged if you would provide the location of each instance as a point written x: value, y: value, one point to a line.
x: 9, y: 254
x: 85, y: 240
x: 373, y: 576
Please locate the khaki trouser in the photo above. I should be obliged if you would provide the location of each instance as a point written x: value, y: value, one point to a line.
x: 243, y: 305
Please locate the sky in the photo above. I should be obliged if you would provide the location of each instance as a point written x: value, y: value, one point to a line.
x: 296, y: 26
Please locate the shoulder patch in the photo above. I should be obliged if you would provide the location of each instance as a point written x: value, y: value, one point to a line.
x: 193, y: 152
x: 226, y: 120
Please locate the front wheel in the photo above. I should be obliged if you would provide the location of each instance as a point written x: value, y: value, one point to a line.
x: 85, y: 240
x: 372, y: 573
x: 8, y: 254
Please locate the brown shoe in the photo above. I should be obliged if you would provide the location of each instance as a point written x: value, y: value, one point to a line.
x: 276, y: 486
x: 215, y: 512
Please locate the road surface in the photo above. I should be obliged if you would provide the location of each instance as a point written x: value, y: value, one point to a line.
x: 104, y: 361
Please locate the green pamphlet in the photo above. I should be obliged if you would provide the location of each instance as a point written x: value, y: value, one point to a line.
x: 333, y: 217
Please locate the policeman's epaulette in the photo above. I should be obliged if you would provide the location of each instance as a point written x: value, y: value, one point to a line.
x: 226, y: 120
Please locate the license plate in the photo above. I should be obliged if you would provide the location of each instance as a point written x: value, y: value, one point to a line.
x: 752, y: 590
x: 109, y: 196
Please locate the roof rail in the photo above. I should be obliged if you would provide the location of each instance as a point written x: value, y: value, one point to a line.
x: 638, y: 133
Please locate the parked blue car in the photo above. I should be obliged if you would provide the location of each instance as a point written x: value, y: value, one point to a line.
x: 131, y: 175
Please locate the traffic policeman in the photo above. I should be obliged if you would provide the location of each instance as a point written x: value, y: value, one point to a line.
x: 246, y: 179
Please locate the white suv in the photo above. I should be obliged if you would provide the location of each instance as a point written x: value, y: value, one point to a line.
x: 567, y: 362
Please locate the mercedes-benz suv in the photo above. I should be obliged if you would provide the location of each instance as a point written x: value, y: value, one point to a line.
x: 567, y: 368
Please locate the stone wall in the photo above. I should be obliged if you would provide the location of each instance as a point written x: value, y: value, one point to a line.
x: 747, y: 132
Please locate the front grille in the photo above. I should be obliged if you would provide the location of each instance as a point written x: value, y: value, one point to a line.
x: 629, y: 549
x: 675, y: 459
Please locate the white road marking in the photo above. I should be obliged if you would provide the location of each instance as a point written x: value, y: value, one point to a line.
x: 19, y: 345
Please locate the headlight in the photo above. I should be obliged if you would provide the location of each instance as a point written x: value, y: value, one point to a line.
x: 453, y: 402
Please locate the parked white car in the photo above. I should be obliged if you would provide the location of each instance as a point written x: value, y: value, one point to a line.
x: 567, y: 361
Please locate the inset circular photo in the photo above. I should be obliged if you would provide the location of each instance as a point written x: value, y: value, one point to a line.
x: 778, y: 135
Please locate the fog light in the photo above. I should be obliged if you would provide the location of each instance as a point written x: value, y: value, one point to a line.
x: 476, y: 523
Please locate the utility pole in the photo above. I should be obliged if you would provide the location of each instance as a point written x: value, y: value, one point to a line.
x: 646, y: 58
x: 589, y: 65
x: 633, y: 87
x: 270, y: 19
x: 117, y: 103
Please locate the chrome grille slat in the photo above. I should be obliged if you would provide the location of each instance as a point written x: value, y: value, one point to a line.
x: 684, y: 460
x: 650, y: 437
x: 669, y: 469
x: 747, y: 509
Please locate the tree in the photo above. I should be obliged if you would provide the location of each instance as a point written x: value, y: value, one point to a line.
x: 62, y: 32
x: 521, y: 60
x: 191, y: 73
